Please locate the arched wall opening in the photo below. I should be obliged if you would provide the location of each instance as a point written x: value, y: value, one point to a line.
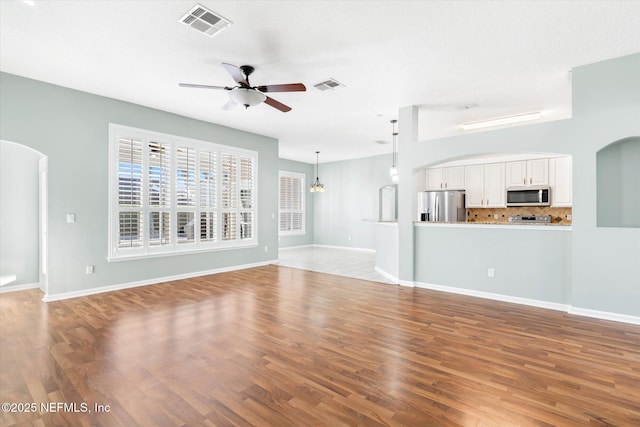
x: 618, y: 184
x: 23, y: 217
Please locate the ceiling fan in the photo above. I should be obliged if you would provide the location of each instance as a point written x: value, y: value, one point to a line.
x: 247, y: 95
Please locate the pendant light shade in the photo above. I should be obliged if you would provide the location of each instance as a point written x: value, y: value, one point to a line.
x: 393, y: 172
x: 317, y: 187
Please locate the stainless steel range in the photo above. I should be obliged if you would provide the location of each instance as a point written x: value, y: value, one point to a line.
x: 530, y: 219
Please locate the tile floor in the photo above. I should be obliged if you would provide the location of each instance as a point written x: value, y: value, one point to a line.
x: 342, y: 262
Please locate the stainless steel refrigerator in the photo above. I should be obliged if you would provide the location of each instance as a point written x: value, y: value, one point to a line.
x: 442, y: 206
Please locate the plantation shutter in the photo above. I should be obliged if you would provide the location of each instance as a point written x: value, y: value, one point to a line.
x: 159, y: 190
x: 229, y: 197
x: 291, y: 203
x: 247, y: 195
x: 129, y: 207
x: 208, y: 196
x: 185, y: 194
x: 177, y: 195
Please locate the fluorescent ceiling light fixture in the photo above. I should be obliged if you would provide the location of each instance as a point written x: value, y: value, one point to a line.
x: 502, y: 121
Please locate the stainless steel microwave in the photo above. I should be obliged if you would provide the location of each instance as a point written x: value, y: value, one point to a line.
x: 538, y: 196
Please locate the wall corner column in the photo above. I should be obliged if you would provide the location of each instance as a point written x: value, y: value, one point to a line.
x: 407, y: 136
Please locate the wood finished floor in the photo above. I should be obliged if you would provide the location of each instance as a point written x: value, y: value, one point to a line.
x: 277, y: 346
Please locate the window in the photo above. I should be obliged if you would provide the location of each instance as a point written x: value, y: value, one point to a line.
x: 291, y: 203
x: 174, y: 195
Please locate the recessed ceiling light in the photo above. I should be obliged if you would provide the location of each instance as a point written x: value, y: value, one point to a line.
x: 502, y: 121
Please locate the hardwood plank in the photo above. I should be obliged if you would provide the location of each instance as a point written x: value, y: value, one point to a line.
x: 279, y: 346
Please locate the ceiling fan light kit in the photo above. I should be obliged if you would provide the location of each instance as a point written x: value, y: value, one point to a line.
x: 247, y: 95
x: 502, y: 121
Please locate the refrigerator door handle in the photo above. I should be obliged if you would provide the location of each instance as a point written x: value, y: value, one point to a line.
x: 437, y: 208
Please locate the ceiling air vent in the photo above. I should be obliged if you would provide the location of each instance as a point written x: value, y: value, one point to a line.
x: 205, y: 21
x: 328, y: 84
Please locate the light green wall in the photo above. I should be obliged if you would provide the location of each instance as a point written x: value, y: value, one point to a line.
x: 308, y: 170
x: 618, y: 191
x: 460, y: 257
x: 71, y: 128
x: 19, y: 218
x: 606, y: 108
x: 345, y: 213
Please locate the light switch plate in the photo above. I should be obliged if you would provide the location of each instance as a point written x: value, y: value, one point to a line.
x: 71, y: 218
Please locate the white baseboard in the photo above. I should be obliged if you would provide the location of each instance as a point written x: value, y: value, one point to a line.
x: 93, y: 291
x: 605, y: 315
x: 623, y: 318
x: 345, y: 247
x: 386, y: 275
x: 408, y: 283
x: 16, y: 288
x: 295, y: 247
x: 497, y: 297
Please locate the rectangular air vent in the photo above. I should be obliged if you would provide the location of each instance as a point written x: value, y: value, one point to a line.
x: 205, y: 21
x: 328, y: 84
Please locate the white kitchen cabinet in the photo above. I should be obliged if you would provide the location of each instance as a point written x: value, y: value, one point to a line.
x: 445, y: 178
x: 433, y: 178
x: 527, y: 173
x: 485, y: 186
x: 560, y: 181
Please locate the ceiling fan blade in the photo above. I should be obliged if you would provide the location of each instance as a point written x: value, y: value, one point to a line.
x: 277, y: 104
x: 230, y: 105
x: 236, y: 74
x: 203, y: 86
x: 290, y: 87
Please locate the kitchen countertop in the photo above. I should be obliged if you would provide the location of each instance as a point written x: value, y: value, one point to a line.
x: 493, y: 225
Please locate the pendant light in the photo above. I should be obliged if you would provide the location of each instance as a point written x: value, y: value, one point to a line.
x: 393, y: 172
x: 316, y: 187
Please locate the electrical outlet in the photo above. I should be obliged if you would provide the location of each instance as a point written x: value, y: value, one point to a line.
x: 71, y: 218
x: 89, y: 269
x: 266, y: 248
x: 491, y: 272
x: 569, y: 217
x: 496, y: 216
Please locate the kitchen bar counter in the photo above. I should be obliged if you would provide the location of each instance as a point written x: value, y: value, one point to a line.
x: 493, y: 225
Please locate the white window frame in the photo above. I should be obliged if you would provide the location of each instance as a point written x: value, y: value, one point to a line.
x: 174, y: 246
x: 302, y: 210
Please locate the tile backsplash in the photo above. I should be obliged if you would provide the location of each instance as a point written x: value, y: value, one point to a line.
x: 488, y: 215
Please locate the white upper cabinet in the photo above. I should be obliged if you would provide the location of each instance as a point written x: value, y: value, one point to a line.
x: 560, y: 181
x: 485, y: 186
x: 445, y: 178
x: 528, y: 173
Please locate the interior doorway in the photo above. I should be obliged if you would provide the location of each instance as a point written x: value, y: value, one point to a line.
x: 23, y: 213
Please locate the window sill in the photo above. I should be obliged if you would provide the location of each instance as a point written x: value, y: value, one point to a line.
x: 148, y: 255
x: 291, y: 233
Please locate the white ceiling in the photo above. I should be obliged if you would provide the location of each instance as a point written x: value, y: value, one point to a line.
x: 509, y: 57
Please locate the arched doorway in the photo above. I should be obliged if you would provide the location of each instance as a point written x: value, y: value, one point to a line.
x: 23, y: 213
